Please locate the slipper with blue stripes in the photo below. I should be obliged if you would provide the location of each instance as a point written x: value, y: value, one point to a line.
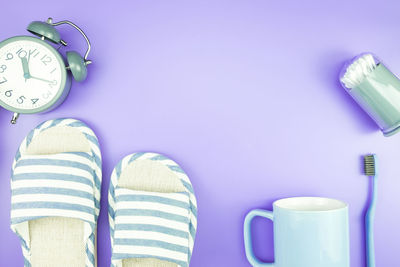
x: 55, y: 184
x: 152, y: 212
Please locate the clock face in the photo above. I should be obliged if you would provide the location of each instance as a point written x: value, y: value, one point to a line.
x: 32, y: 75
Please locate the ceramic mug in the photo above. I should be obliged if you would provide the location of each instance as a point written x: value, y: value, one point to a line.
x: 308, y: 232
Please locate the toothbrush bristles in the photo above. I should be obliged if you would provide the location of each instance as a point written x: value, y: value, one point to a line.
x: 369, y: 165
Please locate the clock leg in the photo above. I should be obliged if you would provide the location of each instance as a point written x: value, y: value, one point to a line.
x: 14, y: 118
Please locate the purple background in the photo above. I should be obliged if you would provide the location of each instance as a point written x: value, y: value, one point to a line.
x: 243, y: 94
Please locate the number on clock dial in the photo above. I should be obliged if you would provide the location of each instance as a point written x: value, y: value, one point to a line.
x: 33, y: 53
x: 8, y: 93
x: 21, y: 53
x: 46, y: 59
x: 9, y: 56
x: 3, y: 68
x: 21, y: 99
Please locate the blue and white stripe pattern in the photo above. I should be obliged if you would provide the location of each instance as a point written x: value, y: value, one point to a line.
x: 57, y: 185
x: 147, y: 224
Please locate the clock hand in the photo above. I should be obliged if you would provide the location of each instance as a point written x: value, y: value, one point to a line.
x: 40, y: 79
x: 25, y: 68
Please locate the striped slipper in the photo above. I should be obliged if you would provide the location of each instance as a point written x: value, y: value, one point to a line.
x: 55, y: 184
x: 152, y: 212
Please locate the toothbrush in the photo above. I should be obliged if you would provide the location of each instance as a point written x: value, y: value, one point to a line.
x: 370, y: 170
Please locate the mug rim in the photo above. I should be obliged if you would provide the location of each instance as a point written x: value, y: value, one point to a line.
x: 310, y: 204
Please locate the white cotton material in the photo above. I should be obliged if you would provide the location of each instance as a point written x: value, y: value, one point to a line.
x: 357, y: 71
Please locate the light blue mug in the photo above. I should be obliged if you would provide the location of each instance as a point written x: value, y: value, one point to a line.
x: 308, y: 232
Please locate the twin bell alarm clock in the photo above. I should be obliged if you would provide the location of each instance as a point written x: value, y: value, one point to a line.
x: 33, y: 75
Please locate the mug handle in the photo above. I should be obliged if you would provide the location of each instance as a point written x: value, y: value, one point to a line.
x: 247, y: 236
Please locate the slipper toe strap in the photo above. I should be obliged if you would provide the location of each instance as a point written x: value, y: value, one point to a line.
x: 56, y: 185
x: 151, y: 225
